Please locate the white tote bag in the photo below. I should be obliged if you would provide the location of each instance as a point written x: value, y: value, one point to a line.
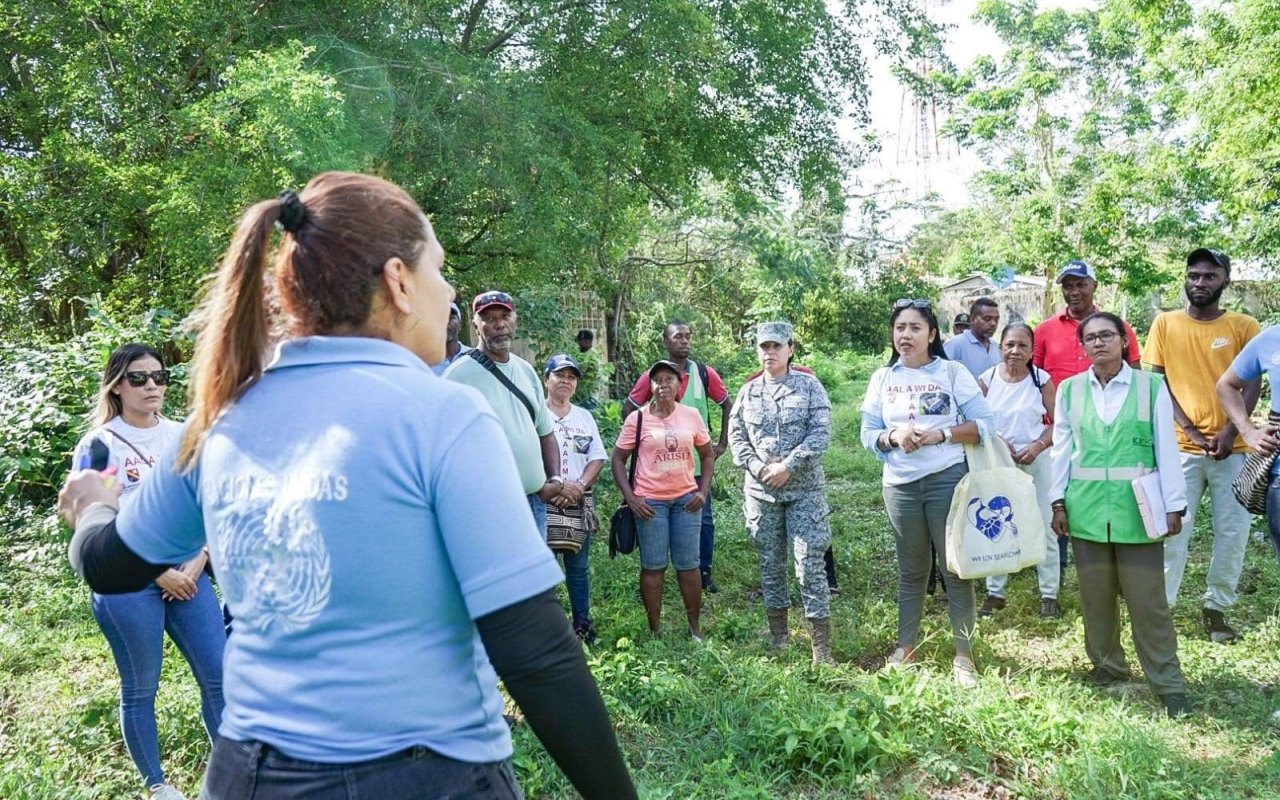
x: 995, y: 525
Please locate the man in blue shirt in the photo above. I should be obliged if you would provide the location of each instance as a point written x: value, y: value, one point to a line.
x: 453, y: 346
x: 974, y: 348
x: 1261, y: 355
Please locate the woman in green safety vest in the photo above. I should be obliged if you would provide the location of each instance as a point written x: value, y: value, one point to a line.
x: 1112, y: 426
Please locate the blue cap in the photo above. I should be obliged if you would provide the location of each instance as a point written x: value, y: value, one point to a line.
x: 453, y: 309
x: 1076, y: 269
x: 561, y: 361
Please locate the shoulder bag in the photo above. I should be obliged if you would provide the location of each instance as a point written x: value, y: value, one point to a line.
x: 622, y: 526
x: 1254, y: 478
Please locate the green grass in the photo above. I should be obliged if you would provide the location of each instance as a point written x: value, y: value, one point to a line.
x: 727, y: 720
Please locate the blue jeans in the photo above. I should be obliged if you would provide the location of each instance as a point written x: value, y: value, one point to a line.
x: 1273, y: 513
x: 134, y: 625
x: 673, y: 530
x: 707, y: 540
x: 539, y: 509
x: 577, y: 579
x: 255, y: 771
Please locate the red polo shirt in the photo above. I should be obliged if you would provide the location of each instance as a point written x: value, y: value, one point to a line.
x: 1058, y: 350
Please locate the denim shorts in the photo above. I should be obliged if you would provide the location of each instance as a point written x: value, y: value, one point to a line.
x: 672, y: 530
x: 255, y: 771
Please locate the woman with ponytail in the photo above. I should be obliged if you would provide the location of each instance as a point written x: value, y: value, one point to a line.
x: 338, y: 484
x: 127, y: 436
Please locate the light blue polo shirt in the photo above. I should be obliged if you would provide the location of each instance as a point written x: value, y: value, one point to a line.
x: 966, y: 349
x: 361, y: 513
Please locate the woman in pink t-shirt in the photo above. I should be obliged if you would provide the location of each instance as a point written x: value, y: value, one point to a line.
x: 666, y: 500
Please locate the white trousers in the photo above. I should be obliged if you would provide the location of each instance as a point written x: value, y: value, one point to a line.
x: 1230, y: 530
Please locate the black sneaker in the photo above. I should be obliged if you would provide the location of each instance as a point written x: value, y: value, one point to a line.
x: 586, y: 632
x: 991, y: 605
x: 708, y: 584
x: 1049, y: 608
x: 1176, y: 705
x: 1101, y: 676
x: 835, y: 590
x: 1217, y: 627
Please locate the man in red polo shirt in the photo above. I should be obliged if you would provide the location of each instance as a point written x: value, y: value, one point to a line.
x: 1058, y: 350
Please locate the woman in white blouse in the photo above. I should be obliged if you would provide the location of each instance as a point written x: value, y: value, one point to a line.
x: 1021, y: 397
x: 1112, y: 425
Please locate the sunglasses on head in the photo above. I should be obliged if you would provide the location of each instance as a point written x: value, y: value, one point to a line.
x: 139, y: 378
x: 907, y: 302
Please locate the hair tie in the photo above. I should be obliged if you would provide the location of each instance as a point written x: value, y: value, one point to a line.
x: 292, y: 212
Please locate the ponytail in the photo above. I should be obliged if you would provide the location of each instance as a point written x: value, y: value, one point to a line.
x: 338, y: 236
x: 233, y: 329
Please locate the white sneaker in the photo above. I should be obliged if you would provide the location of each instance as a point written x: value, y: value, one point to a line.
x: 964, y: 672
x: 163, y: 791
x: 902, y: 657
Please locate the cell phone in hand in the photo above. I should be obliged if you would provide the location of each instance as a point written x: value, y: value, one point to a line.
x: 99, y: 455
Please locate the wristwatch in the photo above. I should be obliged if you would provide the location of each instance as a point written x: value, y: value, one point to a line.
x: 555, y: 479
x: 946, y: 436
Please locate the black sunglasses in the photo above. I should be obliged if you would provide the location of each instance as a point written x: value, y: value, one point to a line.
x: 494, y: 297
x: 139, y: 378
x: 907, y: 302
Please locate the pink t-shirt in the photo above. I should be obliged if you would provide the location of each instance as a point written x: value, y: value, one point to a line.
x: 665, y: 468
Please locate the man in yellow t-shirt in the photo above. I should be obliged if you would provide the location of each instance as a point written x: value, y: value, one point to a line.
x: 1192, y: 348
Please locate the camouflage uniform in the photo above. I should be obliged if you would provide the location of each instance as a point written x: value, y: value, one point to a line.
x: 787, y: 421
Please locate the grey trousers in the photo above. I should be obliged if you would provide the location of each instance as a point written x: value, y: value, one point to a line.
x: 1104, y: 571
x: 918, y: 514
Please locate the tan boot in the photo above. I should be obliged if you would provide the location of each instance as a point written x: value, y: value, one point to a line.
x: 821, y: 633
x: 779, y: 632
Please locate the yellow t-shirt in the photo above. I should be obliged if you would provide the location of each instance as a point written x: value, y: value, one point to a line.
x: 1194, y: 355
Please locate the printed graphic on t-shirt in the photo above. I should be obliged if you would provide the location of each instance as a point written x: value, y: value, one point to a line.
x: 1219, y: 343
x: 910, y: 401
x: 671, y: 458
x: 276, y: 559
x: 935, y: 404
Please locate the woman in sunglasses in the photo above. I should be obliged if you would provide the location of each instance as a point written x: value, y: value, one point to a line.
x: 917, y: 413
x: 367, y: 524
x: 130, y: 433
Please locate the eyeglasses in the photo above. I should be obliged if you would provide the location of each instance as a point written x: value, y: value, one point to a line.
x: 907, y: 302
x: 139, y: 378
x: 1102, y: 337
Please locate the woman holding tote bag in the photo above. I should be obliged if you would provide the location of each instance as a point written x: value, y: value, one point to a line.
x: 1021, y: 396
x: 918, y: 411
x: 1113, y: 424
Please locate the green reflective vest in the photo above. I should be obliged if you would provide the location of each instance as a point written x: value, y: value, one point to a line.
x: 1107, y: 457
x: 695, y: 396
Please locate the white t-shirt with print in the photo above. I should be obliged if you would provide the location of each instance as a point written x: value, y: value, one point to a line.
x: 579, y: 439
x: 1018, y: 407
x: 930, y: 399
x: 132, y: 468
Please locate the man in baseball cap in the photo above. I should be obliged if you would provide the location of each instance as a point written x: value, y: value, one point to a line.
x: 960, y: 324
x: 517, y: 397
x: 1058, y: 349
x: 453, y: 346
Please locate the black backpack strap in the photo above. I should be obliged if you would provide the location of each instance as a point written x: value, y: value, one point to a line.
x: 635, y: 454
x: 488, y: 364
x: 702, y: 373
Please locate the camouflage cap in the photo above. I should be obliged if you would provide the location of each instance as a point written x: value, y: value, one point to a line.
x: 779, y: 332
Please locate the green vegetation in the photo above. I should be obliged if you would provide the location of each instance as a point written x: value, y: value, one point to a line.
x: 726, y: 720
